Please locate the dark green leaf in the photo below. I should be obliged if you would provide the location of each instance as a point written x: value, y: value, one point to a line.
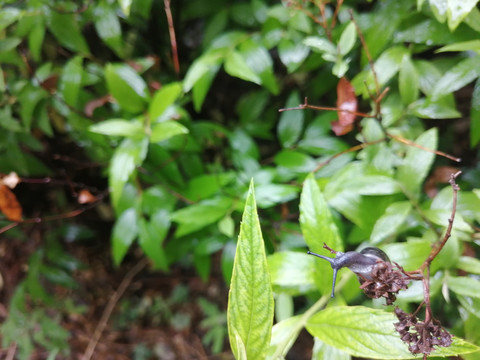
x: 71, y: 81
x: 65, y: 28
x: 408, y: 81
x: 475, y: 116
x: 108, y: 27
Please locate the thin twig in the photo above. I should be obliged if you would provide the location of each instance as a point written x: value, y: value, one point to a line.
x: 111, y: 306
x: 411, y: 143
x: 173, y: 39
x: 438, y: 246
x: 305, y: 105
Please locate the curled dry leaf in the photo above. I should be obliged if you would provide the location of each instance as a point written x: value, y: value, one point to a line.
x: 86, y: 197
x: 9, y: 204
x: 96, y: 103
x: 346, y: 101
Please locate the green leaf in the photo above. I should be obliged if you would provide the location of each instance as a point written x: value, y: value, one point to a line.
x: 463, y: 285
x: 475, y: 116
x: 127, y: 156
x: 166, y: 130
x: 369, y: 333
x: 458, y: 10
x: 457, y: 77
x: 439, y: 9
x: 124, y: 233
x: 322, y: 351
x: 8, y: 16
x: 71, y: 81
x: 259, y: 61
x: 163, y: 98
x: 347, y: 39
x: 108, y: 27
x: 250, y: 299
x: 295, y: 161
x: 65, y: 28
x: 118, y: 127
x: 235, y: 65
x: 290, y: 125
x: 127, y: 87
x: 284, y: 334
x: 417, y: 162
x: 472, y: 45
x: 318, y: 227
x: 208, y: 63
x: 197, y: 216
x: 125, y: 5
x: 427, y: 109
x: 292, y: 272
x: 387, y: 225
x: 321, y: 45
x: 410, y: 254
x: 151, y: 236
x: 408, y: 83
x: 292, y: 54
x: 272, y: 194
x: 469, y: 264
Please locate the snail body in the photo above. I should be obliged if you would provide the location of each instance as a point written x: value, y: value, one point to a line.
x: 361, y: 263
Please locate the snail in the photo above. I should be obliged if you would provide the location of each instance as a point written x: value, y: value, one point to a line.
x: 361, y: 263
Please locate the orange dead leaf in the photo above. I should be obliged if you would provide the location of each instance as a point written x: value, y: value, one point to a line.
x: 86, y: 197
x: 9, y: 204
x: 96, y: 103
x: 346, y: 107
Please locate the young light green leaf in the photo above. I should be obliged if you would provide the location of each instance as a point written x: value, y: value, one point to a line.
x: 439, y: 9
x: 427, y: 109
x: 417, y: 162
x: 475, y: 116
x: 323, y: 351
x: 209, y: 63
x: 127, y: 156
x: 389, y: 222
x: 408, y: 84
x: 320, y: 44
x: 292, y: 54
x: 347, y: 39
x: 167, y: 129
x: 250, y: 299
x: 369, y: 333
x: 127, y: 87
x: 290, y: 125
x: 235, y: 65
x: 469, y: 264
x: 472, y: 45
x: 124, y: 233
x: 284, y: 334
x: 108, y: 27
x: 118, y: 127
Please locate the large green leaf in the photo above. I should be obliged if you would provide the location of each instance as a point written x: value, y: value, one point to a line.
x: 465, y: 286
x: 65, y: 28
x: 163, y: 98
x: 250, y: 299
x: 417, y: 162
x: 237, y: 66
x: 458, y: 10
x: 71, y: 81
x: 457, y: 77
x: 290, y: 125
x: 318, y: 227
x: 127, y: 87
x: 108, y: 27
x: 292, y: 272
x: 166, y: 130
x: 127, y: 156
x: 369, y: 333
x: 389, y: 222
x: 118, y: 127
x: 475, y: 116
x: 124, y: 233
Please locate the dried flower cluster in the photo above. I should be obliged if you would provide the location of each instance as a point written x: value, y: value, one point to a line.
x: 386, y: 281
x: 421, y: 336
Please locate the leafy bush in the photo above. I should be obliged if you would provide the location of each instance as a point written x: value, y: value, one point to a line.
x: 179, y: 142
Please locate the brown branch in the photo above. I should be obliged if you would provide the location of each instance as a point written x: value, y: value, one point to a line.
x: 173, y: 39
x: 438, y: 246
x: 111, y: 306
x: 305, y: 105
x: 352, y: 149
x: 411, y: 143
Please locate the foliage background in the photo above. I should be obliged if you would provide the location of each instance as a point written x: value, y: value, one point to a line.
x: 92, y: 103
